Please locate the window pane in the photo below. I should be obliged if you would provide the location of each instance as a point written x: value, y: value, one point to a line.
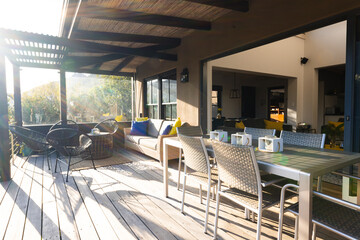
x: 40, y: 96
x: 150, y: 110
x: 173, y: 91
x: 155, y: 112
x: 148, y: 92
x: 92, y: 98
x: 165, y: 91
x: 154, y: 91
x: 173, y: 111
x: 168, y: 112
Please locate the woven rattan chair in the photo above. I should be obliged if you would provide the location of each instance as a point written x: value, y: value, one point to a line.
x: 108, y: 125
x: 36, y: 141
x: 192, y: 131
x: 259, y: 132
x: 65, y: 124
x: 239, y: 171
x: 59, y: 139
x: 197, y: 160
x: 336, y: 215
x: 303, y: 139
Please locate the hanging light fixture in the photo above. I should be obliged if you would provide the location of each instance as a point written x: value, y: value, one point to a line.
x: 234, y: 93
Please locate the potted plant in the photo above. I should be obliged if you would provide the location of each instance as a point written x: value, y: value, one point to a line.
x: 334, y: 132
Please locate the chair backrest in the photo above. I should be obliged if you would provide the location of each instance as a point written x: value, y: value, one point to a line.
x: 303, y: 139
x: 194, y: 131
x: 237, y: 167
x: 108, y: 125
x: 36, y: 141
x: 65, y: 124
x: 60, y: 138
x: 195, y: 153
x: 259, y: 132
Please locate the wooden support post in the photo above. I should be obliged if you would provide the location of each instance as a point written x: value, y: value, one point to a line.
x: 63, y: 103
x: 17, y: 96
x: 5, y: 173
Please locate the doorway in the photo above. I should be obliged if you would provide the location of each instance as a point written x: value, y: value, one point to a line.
x: 277, y: 104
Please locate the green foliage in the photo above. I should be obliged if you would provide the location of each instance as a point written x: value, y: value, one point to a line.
x: 333, y: 132
x: 41, y: 104
x: 11, y: 111
x: 112, y: 95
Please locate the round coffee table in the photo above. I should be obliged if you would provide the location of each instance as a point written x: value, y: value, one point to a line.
x: 102, y: 145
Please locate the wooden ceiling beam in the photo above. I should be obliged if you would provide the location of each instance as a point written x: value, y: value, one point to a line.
x: 123, y: 64
x: 101, y: 72
x: 91, y: 11
x: 123, y: 37
x: 77, y: 61
x: 236, y: 5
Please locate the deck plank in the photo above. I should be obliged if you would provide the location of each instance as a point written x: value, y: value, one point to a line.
x: 8, y: 202
x: 18, y: 215
x: 68, y: 228
x: 98, y: 218
x: 83, y: 221
x: 137, y: 226
x: 33, y: 223
x: 50, y: 221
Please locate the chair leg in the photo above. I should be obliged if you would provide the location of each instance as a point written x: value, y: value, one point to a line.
x: 67, y: 174
x: 47, y: 158
x: 246, y: 214
x: 179, y: 170
x: 296, y: 235
x: 207, y: 207
x: 92, y: 159
x: 313, y: 237
x: 216, y: 213
x: 200, y: 193
x: 258, y: 231
x: 183, y: 196
x: 253, y: 216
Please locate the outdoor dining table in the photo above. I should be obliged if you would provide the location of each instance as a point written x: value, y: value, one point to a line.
x: 298, y: 163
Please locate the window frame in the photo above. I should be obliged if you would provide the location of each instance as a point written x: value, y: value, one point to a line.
x: 169, y: 75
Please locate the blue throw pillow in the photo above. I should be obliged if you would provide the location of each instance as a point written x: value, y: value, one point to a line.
x: 167, y: 130
x: 139, y: 128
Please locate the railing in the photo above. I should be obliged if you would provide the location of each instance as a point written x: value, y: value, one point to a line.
x: 14, y: 147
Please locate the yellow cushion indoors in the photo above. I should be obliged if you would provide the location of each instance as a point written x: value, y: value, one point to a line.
x: 141, y: 119
x: 240, y: 125
x: 337, y: 124
x: 118, y: 118
x: 177, y: 124
x: 273, y: 125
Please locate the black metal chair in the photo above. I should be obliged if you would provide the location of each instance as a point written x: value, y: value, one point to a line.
x: 61, y: 138
x: 36, y: 141
x: 109, y: 125
x: 65, y: 124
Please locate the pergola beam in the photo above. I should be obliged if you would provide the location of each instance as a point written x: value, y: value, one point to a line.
x: 78, y: 62
x: 123, y: 37
x: 92, y: 11
x: 236, y: 5
x: 81, y: 46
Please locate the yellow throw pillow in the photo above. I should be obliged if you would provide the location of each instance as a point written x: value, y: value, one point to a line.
x: 240, y: 125
x: 177, y: 124
x: 337, y: 124
x: 106, y: 114
x: 118, y: 118
x: 273, y: 125
x: 142, y: 119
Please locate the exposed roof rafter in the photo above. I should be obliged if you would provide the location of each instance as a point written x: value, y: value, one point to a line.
x: 123, y: 64
x: 92, y: 11
x: 123, y: 37
x: 236, y: 5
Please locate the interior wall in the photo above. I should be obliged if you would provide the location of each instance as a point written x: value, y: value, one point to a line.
x: 323, y: 47
x: 265, y: 19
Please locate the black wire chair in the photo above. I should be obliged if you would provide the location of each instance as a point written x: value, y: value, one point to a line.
x: 65, y: 124
x: 109, y: 125
x: 36, y: 141
x: 61, y: 139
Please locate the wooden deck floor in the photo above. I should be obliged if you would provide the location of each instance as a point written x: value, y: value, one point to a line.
x: 117, y: 202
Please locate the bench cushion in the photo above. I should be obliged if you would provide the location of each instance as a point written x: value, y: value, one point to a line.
x: 148, y: 142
